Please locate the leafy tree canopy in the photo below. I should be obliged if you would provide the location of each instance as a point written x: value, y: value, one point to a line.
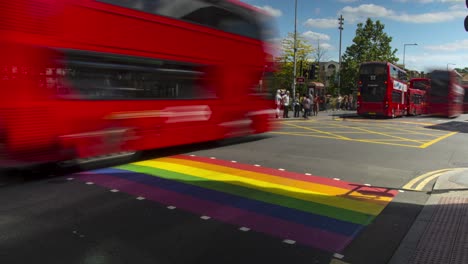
x: 371, y: 43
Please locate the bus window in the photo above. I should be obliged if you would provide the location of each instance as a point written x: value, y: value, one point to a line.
x: 196, y: 11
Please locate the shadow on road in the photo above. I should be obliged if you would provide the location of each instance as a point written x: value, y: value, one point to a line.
x: 18, y: 176
x: 454, y: 126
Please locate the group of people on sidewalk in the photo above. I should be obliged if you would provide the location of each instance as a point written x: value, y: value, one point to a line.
x: 310, y: 104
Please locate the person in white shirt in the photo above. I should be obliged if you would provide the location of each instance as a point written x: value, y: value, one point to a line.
x: 278, y: 103
x: 285, y: 101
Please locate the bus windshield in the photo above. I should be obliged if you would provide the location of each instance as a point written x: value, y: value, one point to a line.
x: 439, y: 87
x: 372, y: 78
x: 421, y: 84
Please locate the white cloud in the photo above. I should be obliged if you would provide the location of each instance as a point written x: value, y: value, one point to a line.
x: 270, y: 10
x: 321, y: 22
x: 347, y: 1
x: 326, y: 46
x: 432, y: 60
x: 429, y: 1
x: 362, y: 12
x: 314, y: 36
x: 460, y: 45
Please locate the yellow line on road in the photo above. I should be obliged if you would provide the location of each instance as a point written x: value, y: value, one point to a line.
x: 305, y: 135
x: 383, y: 121
x: 382, y: 134
x: 423, y: 183
x: 385, y: 143
x: 319, y: 131
x: 421, y: 177
x: 385, y: 139
x: 432, y: 142
x: 406, y: 130
x: 346, y: 139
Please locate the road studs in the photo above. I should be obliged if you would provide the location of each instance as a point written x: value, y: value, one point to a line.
x: 289, y: 241
x: 244, y: 229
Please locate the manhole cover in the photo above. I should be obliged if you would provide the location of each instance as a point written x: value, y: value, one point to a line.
x: 460, y: 164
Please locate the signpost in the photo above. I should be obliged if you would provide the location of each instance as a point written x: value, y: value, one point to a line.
x: 300, y: 80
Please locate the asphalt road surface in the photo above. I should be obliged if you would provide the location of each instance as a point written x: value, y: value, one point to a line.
x: 323, y: 190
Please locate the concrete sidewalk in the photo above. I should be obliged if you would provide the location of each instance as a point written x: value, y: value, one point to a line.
x: 440, y: 232
x: 322, y: 115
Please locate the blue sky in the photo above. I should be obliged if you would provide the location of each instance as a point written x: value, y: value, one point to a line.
x: 435, y: 25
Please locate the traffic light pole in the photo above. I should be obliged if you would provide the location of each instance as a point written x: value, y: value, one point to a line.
x: 295, y: 51
x: 341, y: 19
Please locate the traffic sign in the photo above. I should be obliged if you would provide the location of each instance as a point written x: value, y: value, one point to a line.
x: 300, y: 80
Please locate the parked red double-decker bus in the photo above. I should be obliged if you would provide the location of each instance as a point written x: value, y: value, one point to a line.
x: 423, y: 84
x: 416, y: 102
x: 84, y: 78
x: 382, y: 89
x: 446, y: 94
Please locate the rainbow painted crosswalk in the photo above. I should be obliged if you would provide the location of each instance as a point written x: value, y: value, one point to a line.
x: 310, y: 210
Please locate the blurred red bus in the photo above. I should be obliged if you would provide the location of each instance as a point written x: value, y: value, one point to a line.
x: 465, y: 100
x: 382, y: 89
x: 416, y: 102
x: 85, y: 78
x: 423, y: 84
x: 446, y: 95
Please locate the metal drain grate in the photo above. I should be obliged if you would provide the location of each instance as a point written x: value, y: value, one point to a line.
x: 445, y: 239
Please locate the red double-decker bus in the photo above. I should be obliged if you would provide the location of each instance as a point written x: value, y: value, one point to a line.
x: 423, y: 84
x: 382, y: 89
x: 446, y: 95
x: 416, y: 102
x: 86, y: 78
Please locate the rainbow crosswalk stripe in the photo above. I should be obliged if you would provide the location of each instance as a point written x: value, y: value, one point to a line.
x: 314, y: 211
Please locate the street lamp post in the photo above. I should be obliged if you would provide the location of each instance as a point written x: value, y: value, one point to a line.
x: 295, y: 50
x: 404, y: 52
x: 449, y: 64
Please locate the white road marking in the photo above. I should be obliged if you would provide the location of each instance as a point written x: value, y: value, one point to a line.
x: 140, y: 198
x: 308, y: 174
x: 205, y: 217
x: 90, y: 183
x: 114, y: 190
x: 338, y: 256
x: 171, y: 207
x: 244, y: 229
x: 289, y: 241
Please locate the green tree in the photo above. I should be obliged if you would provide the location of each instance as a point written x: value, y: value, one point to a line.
x: 371, y: 43
x: 284, y: 76
x: 463, y: 71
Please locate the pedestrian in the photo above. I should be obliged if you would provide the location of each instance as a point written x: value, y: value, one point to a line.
x: 297, y: 105
x: 306, y: 104
x: 278, y: 103
x: 316, y: 105
x: 285, y: 102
